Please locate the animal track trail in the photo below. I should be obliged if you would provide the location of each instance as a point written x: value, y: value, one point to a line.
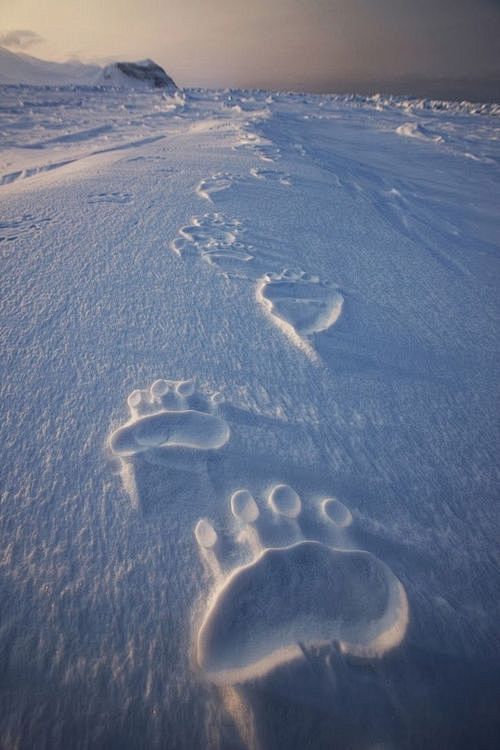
x: 262, y: 148
x: 268, y: 153
x: 212, y: 187
x: 300, y: 303
x: 215, y: 238
x: 217, y: 183
x: 297, y: 593
x: 271, y: 175
x: 24, y: 225
x: 110, y: 197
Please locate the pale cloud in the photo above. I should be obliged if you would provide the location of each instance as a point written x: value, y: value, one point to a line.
x: 20, y: 38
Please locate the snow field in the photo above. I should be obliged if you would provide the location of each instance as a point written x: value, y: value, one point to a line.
x: 346, y: 308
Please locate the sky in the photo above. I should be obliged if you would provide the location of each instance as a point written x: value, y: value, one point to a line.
x: 317, y: 45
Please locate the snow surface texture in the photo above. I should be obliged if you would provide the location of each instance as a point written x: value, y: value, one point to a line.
x: 296, y: 295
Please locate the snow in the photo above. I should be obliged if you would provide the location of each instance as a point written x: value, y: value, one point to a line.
x: 16, y: 68
x: 249, y: 430
x: 325, y: 594
x: 415, y: 130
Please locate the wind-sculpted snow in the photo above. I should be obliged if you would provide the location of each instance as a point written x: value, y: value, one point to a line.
x: 412, y: 104
x: 406, y: 103
x: 293, y: 596
x: 415, y: 130
x: 49, y: 128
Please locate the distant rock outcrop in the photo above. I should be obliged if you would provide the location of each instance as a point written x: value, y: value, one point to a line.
x: 142, y: 73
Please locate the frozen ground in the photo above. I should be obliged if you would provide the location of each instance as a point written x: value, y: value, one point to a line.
x: 249, y: 421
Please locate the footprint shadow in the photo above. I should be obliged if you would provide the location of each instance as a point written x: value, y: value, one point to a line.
x: 169, y: 447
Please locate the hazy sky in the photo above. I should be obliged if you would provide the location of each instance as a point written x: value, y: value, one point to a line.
x: 272, y: 43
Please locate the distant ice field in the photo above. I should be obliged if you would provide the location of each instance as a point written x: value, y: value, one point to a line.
x: 249, y: 420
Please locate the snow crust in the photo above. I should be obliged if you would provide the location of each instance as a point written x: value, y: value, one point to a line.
x: 249, y: 436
